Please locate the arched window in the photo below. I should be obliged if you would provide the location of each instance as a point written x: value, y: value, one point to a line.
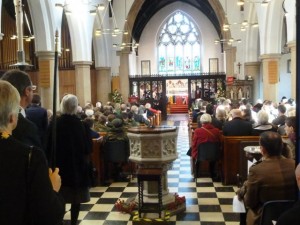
x: 179, y: 46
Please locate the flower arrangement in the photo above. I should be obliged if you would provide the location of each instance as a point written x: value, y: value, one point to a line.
x: 177, y: 203
x: 125, y: 207
x: 221, y: 92
x: 116, y: 96
x: 130, y: 206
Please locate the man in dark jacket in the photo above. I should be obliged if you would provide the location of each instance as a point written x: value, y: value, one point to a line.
x: 26, y: 131
x: 38, y: 115
x: 237, y: 126
x: 280, y: 119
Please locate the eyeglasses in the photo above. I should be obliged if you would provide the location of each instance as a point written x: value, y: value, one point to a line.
x: 32, y: 87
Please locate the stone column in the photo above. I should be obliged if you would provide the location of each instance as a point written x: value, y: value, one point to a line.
x: 83, y: 81
x: 292, y: 46
x: 124, y: 74
x: 46, y: 79
x: 103, y: 84
x: 270, y: 66
x: 253, y: 69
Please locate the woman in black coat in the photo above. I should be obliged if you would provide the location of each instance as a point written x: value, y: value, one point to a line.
x: 73, y: 146
x: 28, y: 189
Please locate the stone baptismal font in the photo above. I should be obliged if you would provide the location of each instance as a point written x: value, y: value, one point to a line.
x: 152, y: 148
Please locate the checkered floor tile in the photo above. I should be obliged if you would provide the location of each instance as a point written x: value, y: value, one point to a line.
x: 207, y: 202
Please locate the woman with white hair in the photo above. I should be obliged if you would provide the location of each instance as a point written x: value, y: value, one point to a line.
x: 74, y: 144
x: 28, y: 189
x: 207, y: 133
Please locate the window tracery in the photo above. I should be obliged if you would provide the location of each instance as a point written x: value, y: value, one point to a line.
x: 179, y: 46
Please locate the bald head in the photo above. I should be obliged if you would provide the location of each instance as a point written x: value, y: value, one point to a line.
x: 236, y: 113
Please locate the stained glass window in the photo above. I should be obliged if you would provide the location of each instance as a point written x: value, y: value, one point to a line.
x: 179, y: 46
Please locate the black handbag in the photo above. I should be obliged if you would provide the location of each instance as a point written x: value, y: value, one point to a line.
x: 189, y: 152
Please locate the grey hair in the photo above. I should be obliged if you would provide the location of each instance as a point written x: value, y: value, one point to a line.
x: 262, y: 117
x: 69, y: 104
x: 134, y: 109
x: 221, y: 113
x: 9, y: 103
x: 147, y: 105
x: 205, y: 118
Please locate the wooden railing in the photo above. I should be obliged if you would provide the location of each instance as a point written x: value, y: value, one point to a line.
x: 174, y: 75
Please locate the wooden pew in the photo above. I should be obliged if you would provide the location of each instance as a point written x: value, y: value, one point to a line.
x: 232, y: 156
x: 157, y: 118
x: 97, y: 159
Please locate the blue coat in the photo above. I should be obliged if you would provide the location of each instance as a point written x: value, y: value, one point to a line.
x: 38, y: 116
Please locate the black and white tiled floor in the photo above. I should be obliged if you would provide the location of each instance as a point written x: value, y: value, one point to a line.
x: 207, y: 202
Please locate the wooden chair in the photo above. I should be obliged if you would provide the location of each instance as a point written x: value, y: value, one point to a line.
x: 116, y: 154
x: 208, y: 151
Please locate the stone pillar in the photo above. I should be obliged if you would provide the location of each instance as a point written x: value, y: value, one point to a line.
x: 253, y: 69
x: 230, y: 59
x: 46, y: 79
x: 292, y: 46
x: 270, y: 69
x: 103, y: 84
x: 124, y: 74
x: 83, y: 81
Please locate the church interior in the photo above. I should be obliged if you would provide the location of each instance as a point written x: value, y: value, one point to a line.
x: 169, y: 53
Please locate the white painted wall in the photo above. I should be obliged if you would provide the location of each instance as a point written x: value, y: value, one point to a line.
x: 148, y: 40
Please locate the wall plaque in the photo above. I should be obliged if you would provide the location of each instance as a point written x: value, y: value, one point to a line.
x: 44, y: 66
x: 273, y: 72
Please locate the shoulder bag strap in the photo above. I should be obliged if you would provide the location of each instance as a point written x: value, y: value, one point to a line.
x: 28, y: 214
x: 209, y: 132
